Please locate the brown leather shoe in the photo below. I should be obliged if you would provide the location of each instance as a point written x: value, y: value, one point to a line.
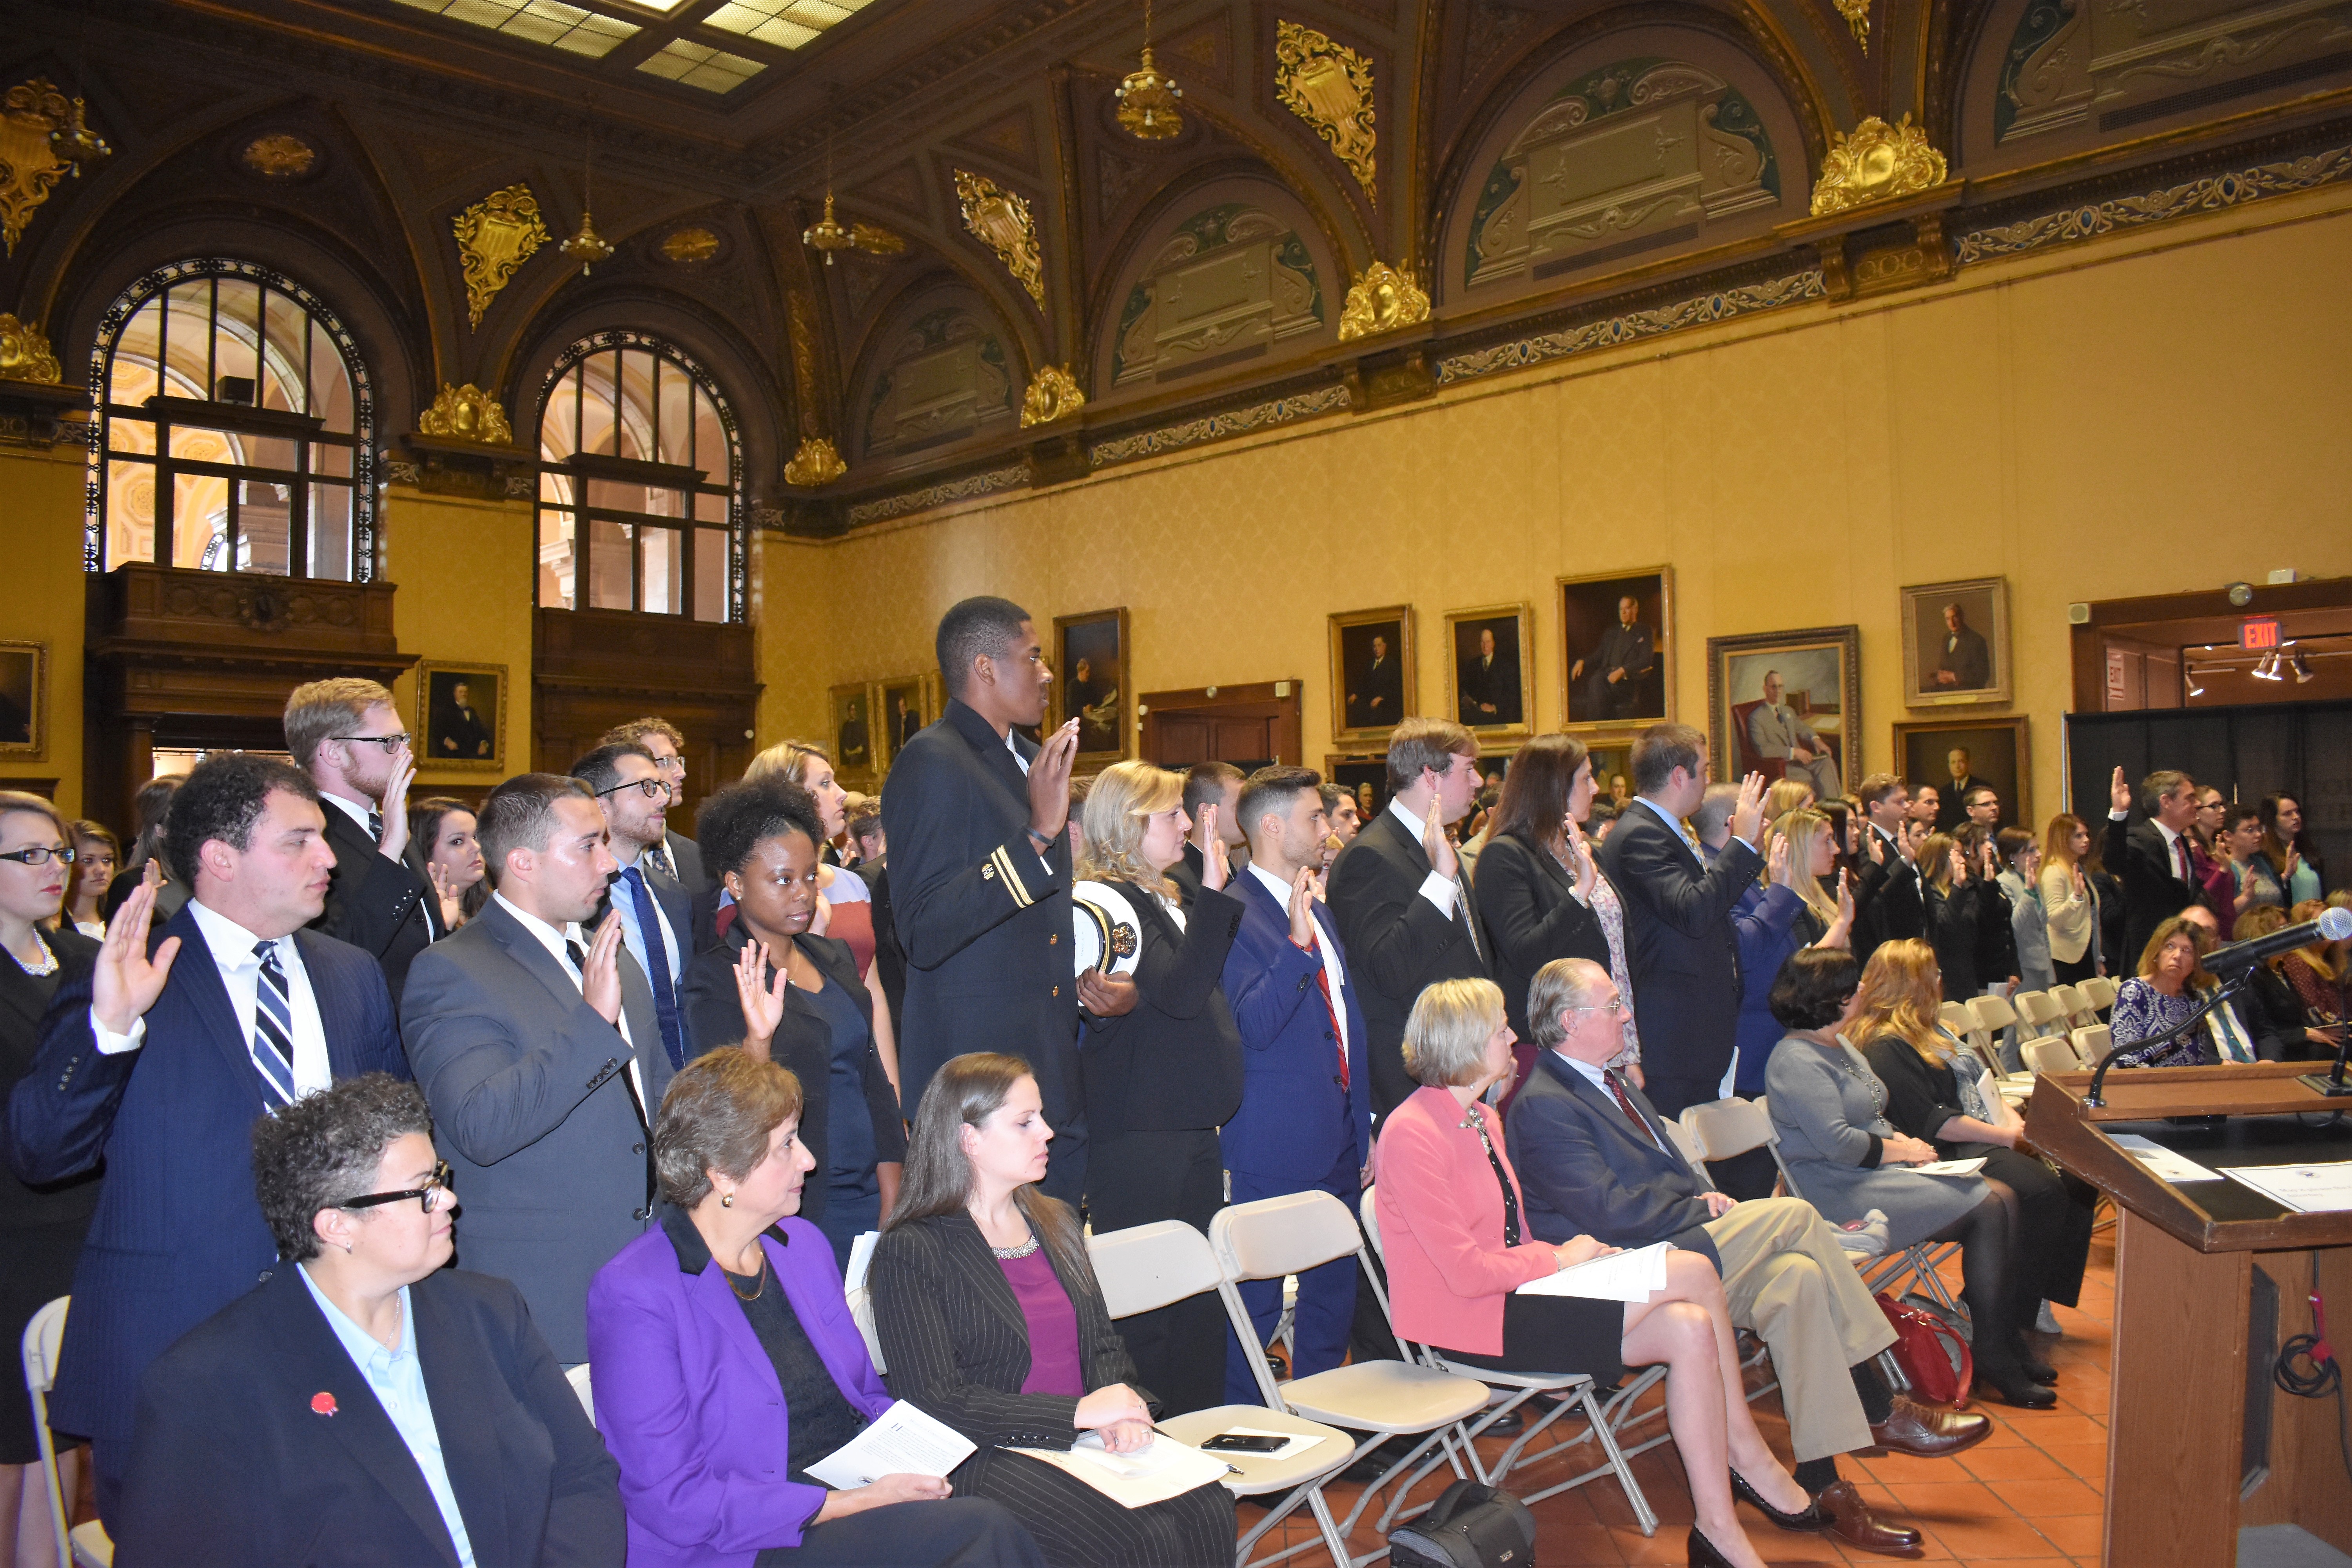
x: 1851, y: 1521
x: 1925, y: 1432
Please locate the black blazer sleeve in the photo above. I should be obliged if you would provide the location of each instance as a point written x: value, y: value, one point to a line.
x: 1176, y: 977
x: 1919, y: 1100
x: 371, y: 895
x: 1996, y: 938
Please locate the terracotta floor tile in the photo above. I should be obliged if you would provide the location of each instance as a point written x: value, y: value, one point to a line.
x: 2042, y: 1500
x: 2045, y: 1428
x: 2018, y: 1464
x: 1577, y: 1546
x: 1996, y: 1537
x: 1947, y: 1503
x: 2080, y: 1535
x: 2086, y: 1461
x: 1667, y: 1549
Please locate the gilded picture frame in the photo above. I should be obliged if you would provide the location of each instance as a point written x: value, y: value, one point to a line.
x: 901, y: 705
x: 1364, y: 775
x: 1950, y: 665
x: 1999, y: 755
x: 1091, y: 685
x: 850, y: 731
x: 1592, y: 627
x: 1490, y: 686
x: 1374, y: 673
x: 1819, y: 702
x: 458, y: 707
x: 23, y: 699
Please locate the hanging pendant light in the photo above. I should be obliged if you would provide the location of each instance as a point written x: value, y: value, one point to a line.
x: 587, y: 246
x: 1148, y: 96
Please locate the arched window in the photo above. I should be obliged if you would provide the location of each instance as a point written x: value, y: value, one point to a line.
x: 235, y: 429
x: 640, y: 494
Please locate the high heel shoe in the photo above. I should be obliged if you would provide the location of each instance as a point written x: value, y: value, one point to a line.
x: 1809, y: 1518
x: 2012, y: 1388
x: 1701, y: 1553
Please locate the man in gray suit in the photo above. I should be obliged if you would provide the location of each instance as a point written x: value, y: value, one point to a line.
x: 1775, y: 730
x: 540, y: 1053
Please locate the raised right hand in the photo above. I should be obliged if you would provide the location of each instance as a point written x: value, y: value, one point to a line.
x: 1588, y: 867
x: 1959, y: 861
x: 1747, y: 812
x: 1875, y: 844
x: 600, y: 978
x: 1049, y: 782
x: 2118, y: 792
x: 1111, y: 1403
x: 1302, y: 905
x: 1437, y: 846
x: 1776, y: 860
x: 763, y: 1006
x: 126, y: 981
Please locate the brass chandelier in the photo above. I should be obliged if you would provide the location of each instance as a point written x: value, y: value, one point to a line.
x: 1148, y: 96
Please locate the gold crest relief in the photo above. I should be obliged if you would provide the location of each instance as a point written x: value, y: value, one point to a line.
x: 1053, y: 394
x: 1383, y: 298
x: 1876, y: 161
x: 29, y: 166
x: 1000, y: 220
x: 1330, y: 86
x: 495, y: 236
x: 466, y: 414
x: 25, y: 354
x: 816, y: 463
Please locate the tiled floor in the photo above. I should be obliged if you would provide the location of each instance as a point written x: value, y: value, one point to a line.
x: 2031, y: 1493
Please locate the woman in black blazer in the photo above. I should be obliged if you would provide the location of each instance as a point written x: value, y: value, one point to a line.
x: 991, y: 1321
x: 1958, y: 915
x: 794, y: 998
x: 1161, y: 1078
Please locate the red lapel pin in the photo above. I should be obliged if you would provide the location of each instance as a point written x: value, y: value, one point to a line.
x: 323, y: 1403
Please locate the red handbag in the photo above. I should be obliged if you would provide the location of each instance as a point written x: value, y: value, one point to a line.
x: 1934, y: 1357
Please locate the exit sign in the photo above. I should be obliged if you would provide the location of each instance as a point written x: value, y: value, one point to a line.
x: 2262, y: 632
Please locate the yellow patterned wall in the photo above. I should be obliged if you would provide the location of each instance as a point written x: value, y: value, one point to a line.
x: 2149, y: 414
x: 463, y: 567
x: 40, y: 523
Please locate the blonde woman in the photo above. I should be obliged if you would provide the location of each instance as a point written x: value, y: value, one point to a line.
x: 2070, y: 900
x: 845, y: 906
x: 1163, y: 1077
x: 1788, y: 911
x: 1785, y: 797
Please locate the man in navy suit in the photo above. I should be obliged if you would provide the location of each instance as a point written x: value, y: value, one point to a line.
x: 1305, y: 1118
x: 160, y: 1057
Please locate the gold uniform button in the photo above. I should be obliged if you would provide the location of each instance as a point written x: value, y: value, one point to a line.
x: 1052, y: 939
x: 1057, y: 991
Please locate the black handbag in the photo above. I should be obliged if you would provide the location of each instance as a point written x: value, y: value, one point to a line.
x: 1469, y: 1526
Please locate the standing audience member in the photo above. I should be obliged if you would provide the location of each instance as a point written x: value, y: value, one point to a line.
x: 1161, y: 1079
x: 2070, y: 900
x: 41, y: 1227
x: 2238, y: 848
x: 1792, y: 911
x: 158, y: 1058
x: 1682, y: 949
x: 1305, y: 1121
x: 886, y: 977
x: 849, y: 906
x: 1782, y: 796
x: 2029, y: 926
x: 991, y: 1321
x: 691, y: 1325
x: 96, y: 854
x: 149, y: 807
x: 1213, y: 793
x: 1926, y: 805
x: 454, y: 1437
x: 1339, y: 806
x: 2292, y: 858
x: 678, y: 858
x: 1887, y: 896
x: 1959, y: 912
x: 2153, y: 857
x: 656, y: 924
x: 444, y: 848
x: 346, y: 735
x: 538, y: 1051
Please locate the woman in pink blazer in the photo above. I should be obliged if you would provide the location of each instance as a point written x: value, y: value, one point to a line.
x: 1452, y: 1238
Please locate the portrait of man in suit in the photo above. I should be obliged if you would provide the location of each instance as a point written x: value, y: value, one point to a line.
x: 1965, y: 663
x: 1488, y: 689
x: 853, y: 749
x: 1953, y: 633
x: 461, y: 717
x: 1090, y: 660
x: 1369, y: 659
x: 1615, y: 630
x: 19, y: 675
x: 1952, y: 762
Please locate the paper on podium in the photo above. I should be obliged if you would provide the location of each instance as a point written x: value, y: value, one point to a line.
x: 1616, y: 1277
x: 902, y: 1441
x: 2305, y: 1189
x: 1947, y: 1167
x: 2162, y: 1162
x: 1167, y: 1468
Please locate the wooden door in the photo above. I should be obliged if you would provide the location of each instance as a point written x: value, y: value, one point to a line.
x: 1249, y: 726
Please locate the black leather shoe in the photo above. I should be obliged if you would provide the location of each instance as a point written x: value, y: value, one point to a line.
x: 1701, y: 1553
x: 1810, y: 1518
x: 2012, y: 1388
x: 2040, y: 1371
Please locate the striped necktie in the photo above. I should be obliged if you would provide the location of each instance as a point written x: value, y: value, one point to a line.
x: 273, y: 1030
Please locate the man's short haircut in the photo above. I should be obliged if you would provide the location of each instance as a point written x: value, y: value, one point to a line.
x: 223, y: 797
x: 1877, y: 788
x: 634, y: 731
x: 599, y: 770
x: 1419, y: 744
x: 1715, y: 809
x: 323, y: 1150
x: 1204, y: 784
x: 1446, y: 1036
x: 863, y: 816
x: 981, y: 625
x: 521, y: 814
x: 737, y: 819
x: 1275, y: 789
x: 1332, y: 796
x: 1814, y: 987
x: 322, y: 709
x: 1927, y: 786
x: 1563, y: 984
x: 2157, y: 785
x: 1974, y: 793
x: 1663, y: 748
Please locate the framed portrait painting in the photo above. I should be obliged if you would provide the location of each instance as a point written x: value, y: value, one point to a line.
x: 1365, y: 777
x: 1090, y: 683
x: 906, y: 704
x: 1957, y: 754
x: 1489, y: 680
x: 1617, y: 649
x: 851, y: 730
x: 461, y: 720
x: 1787, y: 705
x: 1956, y: 643
x: 1372, y: 672
x: 24, y: 699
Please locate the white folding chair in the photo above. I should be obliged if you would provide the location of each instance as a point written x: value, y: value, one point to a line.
x: 1290, y: 1235
x: 1147, y: 1267
x: 2053, y: 1054
x: 1956, y: 1018
x: 1992, y: 1014
x: 86, y: 1545
x: 578, y: 1378
x: 2099, y: 991
x: 1892, y: 1271
x: 2042, y: 1014
x: 2076, y: 1007
x: 2093, y: 1043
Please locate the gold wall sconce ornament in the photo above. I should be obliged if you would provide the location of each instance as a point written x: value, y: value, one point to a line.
x: 495, y: 236
x: 1053, y: 394
x: 25, y: 354
x: 42, y: 138
x: 816, y: 463
x: 688, y: 246
x: 279, y: 156
x: 1148, y: 96
x: 466, y: 414
x: 1876, y: 161
x: 1330, y: 86
x: 828, y: 235
x: 1382, y: 298
x: 1857, y: 16
x: 1000, y: 219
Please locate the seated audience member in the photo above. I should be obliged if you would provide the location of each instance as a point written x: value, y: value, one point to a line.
x: 96, y: 853
x: 2172, y: 984
x: 1456, y: 1245
x: 2029, y: 925
x: 779, y: 991
x: 1593, y: 1156
x: 992, y: 1321
x: 1938, y: 1090
x: 2304, y: 1031
x: 2070, y: 900
x: 367, y: 1404
x: 696, y: 1327
x: 1163, y: 1077
x: 149, y: 807
x: 678, y: 859
x: 444, y: 849
x: 1829, y: 1109
x: 1211, y: 793
x: 2317, y: 971
x: 849, y: 909
x: 2287, y: 850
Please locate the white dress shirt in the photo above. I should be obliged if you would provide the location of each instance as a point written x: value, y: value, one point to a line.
x: 1335, y: 973
x: 553, y: 939
x: 1436, y: 888
x: 231, y: 950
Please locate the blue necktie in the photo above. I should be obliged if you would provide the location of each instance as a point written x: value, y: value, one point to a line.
x: 657, y: 965
x: 273, y: 1030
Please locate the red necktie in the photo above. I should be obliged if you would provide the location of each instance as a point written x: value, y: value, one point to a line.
x: 2180, y: 849
x: 1608, y: 1077
x: 1330, y: 1008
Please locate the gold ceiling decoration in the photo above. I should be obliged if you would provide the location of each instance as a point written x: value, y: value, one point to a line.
x: 495, y: 236
x: 279, y: 156
x: 1148, y: 96
x: 687, y: 246
x: 1053, y: 394
x: 1875, y: 162
x: 1000, y: 220
x: 1330, y: 86
x: 816, y: 463
x: 1383, y: 298
x: 25, y: 354
x: 42, y: 138
x: 1857, y: 16
x: 585, y: 246
x: 827, y: 235
x: 466, y: 414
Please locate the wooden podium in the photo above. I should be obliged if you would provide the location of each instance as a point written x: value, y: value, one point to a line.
x: 2177, y: 1426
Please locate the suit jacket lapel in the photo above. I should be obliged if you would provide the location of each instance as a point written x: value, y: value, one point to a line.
x: 208, y: 996
x: 455, y: 1373
x: 339, y: 1010
x: 1596, y: 1100
x: 17, y: 992
x: 525, y: 949
x: 982, y: 737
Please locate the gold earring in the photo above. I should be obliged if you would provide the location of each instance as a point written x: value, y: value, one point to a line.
x: 727, y: 1200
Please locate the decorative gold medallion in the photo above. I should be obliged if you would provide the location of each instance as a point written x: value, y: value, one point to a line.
x: 816, y: 463
x: 1053, y: 394
x: 25, y: 354
x: 690, y: 244
x: 39, y: 127
x: 495, y: 236
x: 279, y: 156
x: 1857, y: 15
x: 1330, y: 86
x: 1875, y: 162
x: 1382, y: 298
x: 1000, y: 220
x: 466, y: 414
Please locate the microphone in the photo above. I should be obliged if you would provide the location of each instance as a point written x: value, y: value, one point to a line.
x: 2333, y: 925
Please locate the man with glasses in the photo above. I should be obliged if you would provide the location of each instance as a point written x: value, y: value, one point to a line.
x: 677, y: 856
x: 655, y: 914
x: 346, y: 735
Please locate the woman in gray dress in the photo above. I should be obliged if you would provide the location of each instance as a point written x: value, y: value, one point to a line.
x: 1845, y: 1157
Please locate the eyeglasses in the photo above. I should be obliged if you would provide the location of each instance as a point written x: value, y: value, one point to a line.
x: 1616, y: 1007
x: 437, y: 1193
x: 673, y: 764
x: 39, y: 855
x: 652, y: 789
x: 390, y: 743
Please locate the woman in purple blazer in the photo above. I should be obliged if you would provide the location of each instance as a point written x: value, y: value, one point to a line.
x: 727, y: 1362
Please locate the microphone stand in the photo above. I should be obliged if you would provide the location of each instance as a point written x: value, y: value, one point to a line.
x: 2096, y: 1098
